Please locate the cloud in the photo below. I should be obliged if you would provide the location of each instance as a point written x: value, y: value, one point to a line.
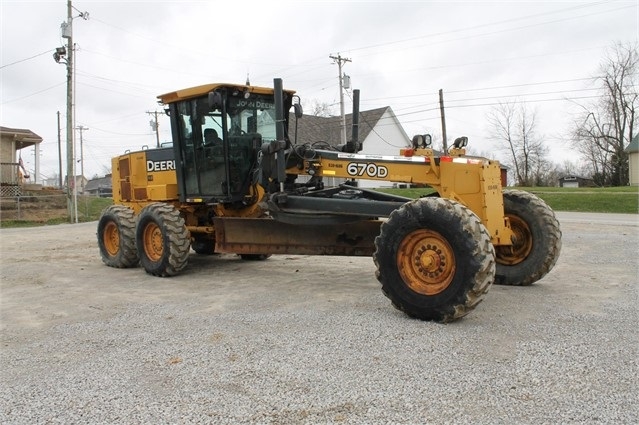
x: 401, y: 54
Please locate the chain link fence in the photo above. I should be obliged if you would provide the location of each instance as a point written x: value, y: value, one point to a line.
x: 43, y: 207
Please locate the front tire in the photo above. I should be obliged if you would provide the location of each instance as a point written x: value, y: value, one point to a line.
x: 434, y: 259
x: 537, y: 240
x: 116, y: 237
x: 162, y: 240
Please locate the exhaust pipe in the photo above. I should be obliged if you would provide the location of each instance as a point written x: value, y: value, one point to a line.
x: 280, y: 158
x: 353, y: 145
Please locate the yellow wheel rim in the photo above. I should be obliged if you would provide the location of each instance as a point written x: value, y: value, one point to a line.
x: 111, y: 236
x: 426, y: 262
x: 153, y: 242
x: 522, y: 243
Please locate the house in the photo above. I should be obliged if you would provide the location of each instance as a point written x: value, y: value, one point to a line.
x: 380, y: 133
x: 80, y: 182
x: 576, y: 181
x: 13, y: 174
x: 101, y: 186
x: 633, y: 161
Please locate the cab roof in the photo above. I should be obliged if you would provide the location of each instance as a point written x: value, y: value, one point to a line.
x: 198, y: 91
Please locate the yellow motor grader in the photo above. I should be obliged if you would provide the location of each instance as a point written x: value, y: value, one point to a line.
x: 234, y: 182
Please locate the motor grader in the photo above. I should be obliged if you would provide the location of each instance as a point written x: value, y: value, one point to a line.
x: 254, y: 192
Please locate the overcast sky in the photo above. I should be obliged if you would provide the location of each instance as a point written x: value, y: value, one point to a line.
x: 402, y: 52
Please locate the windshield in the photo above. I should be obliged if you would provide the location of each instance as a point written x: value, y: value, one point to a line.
x: 253, y: 115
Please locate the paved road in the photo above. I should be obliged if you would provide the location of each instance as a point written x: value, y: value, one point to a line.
x: 631, y: 220
x: 299, y: 339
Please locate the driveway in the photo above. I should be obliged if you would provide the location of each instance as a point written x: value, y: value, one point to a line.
x: 302, y: 339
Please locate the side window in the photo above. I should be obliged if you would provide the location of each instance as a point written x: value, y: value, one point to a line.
x: 188, y: 149
x: 187, y: 129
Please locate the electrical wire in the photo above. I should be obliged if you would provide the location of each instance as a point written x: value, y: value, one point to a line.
x: 26, y: 59
x: 474, y: 27
x: 33, y: 94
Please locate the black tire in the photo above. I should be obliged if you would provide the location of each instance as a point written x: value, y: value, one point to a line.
x: 203, y: 246
x: 434, y: 259
x: 162, y: 240
x: 537, y: 240
x: 116, y: 237
x: 255, y: 257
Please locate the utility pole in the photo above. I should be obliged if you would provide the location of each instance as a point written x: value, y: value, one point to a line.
x: 67, y: 32
x: 59, y: 154
x: 155, y: 125
x: 339, y: 59
x: 60, y: 52
x: 81, y: 128
x: 441, y: 109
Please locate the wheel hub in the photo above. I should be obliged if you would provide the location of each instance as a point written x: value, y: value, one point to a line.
x: 426, y: 262
x: 153, y: 242
x: 111, y: 238
x: 522, y: 243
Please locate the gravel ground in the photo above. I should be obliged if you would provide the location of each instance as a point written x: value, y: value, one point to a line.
x: 300, y: 339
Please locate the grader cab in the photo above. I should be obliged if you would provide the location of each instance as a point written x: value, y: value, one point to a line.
x: 231, y: 184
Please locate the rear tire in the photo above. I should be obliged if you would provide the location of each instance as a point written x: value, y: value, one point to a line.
x: 162, y: 240
x: 434, y: 259
x: 116, y: 237
x: 537, y: 240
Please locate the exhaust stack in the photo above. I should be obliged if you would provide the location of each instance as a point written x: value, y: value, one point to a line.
x: 353, y: 146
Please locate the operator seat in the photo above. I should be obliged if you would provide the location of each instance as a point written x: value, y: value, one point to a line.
x: 211, y: 137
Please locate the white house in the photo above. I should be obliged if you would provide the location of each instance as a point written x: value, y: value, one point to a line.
x: 380, y: 133
x: 633, y: 160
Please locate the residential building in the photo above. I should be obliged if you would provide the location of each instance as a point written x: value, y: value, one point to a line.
x: 633, y: 161
x: 380, y: 133
x: 101, y: 186
x: 13, y: 173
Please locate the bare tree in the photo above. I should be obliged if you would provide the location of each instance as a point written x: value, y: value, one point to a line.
x: 319, y: 109
x: 513, y: 126
x: 604, y: 130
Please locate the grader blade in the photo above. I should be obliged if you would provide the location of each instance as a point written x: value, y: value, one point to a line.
x: 263, y: 236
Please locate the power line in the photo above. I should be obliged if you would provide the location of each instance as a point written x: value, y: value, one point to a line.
x: 474, y: 36
x: 522, y: 94
x: 526, y: 101
x: 33, y: 94
x: 487, y: 88
x: 115, y: 91
x: 29, y: 58
x: 180, y: 48
x: 146, y: 65
x: 525, y: 84
x: 473, y: 27
x: 120, y: 134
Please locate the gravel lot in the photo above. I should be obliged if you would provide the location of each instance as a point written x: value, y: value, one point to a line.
x: 300, y: 339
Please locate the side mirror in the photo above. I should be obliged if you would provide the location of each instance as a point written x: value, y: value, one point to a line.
x: 215, y: 101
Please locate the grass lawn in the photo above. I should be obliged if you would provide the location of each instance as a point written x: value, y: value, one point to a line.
x: 89, y: 209
x: 586, y: 199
